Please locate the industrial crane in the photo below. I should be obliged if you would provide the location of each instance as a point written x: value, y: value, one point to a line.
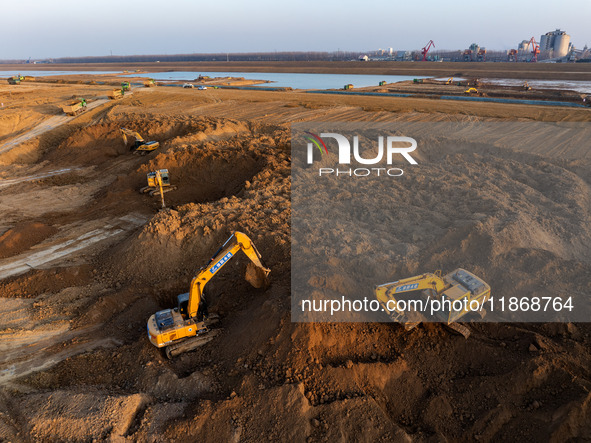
x: 425, y: 50
x: 512, y: 55
x: 481, y: 55
x: 535, y: 49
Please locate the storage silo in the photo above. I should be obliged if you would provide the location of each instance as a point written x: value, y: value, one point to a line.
x: 546, y: 41
x: 561, y: 41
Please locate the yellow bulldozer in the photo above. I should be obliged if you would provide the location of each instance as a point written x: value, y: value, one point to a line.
x: 139, y: 146
x: 186, y: 327
x: 455, y: 295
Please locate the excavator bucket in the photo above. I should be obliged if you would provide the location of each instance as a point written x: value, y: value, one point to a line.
x: 257, y: 277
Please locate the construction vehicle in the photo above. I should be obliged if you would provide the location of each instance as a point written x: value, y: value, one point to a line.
x: 75, y: 107
x: 449, y: 81
x: 116, y: 94
x: 382, y: 83
x: 526, y: 86
x: 158, y: 184
x: 185, y: 327
x: 149, y: 83
x: 348, y: 86
x: 471, y: 91
x: 15, y: 80
x: 140, y: 146
x: 457, y: 294
x: 125, y: 86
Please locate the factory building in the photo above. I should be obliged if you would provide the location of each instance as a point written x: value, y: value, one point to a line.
x: 555, y: 43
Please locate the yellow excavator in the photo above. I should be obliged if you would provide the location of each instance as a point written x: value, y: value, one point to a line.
x: 158, y: 184
x: 140, y: 146
x: 186, y: 327
x: 452, y: 297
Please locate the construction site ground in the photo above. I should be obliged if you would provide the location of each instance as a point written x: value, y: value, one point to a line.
x: 85, y: 259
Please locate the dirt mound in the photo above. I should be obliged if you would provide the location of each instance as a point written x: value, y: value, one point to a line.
x: 22, y: 237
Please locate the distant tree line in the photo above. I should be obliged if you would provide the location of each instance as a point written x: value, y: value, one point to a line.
x: 219, y: 57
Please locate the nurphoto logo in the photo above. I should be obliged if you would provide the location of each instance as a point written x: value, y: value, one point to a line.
x: 387, y: 147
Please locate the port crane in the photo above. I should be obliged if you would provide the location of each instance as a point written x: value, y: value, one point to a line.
x: 535, y: 49
x: 425, y: 50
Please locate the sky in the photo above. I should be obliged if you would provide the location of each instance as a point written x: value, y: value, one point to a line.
x: 72, y: 28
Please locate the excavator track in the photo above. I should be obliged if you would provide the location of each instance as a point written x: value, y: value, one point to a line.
x: 193, y: 343
x: 156, y: 192
x: 460, y: 329
x: 190, y: 344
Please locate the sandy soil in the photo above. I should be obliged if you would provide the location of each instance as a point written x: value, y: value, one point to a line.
x: 76, y: 364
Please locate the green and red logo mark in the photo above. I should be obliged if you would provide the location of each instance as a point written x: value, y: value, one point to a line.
x: 316, y: 141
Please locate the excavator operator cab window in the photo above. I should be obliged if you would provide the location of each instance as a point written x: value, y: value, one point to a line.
x: 468, y: 281
x: 183, y: 304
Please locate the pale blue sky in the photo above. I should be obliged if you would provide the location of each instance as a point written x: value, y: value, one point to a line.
x: 62, y: 28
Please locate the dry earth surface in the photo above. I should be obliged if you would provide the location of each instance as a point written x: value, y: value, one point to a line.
x: 85, y: 260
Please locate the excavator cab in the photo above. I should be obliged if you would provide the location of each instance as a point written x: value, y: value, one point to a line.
x: 183, y: 306
x: 164, y: 176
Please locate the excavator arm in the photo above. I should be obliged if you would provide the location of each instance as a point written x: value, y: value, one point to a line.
x: 128, y: 132
x: 388, y: 291
x: 237, y: 241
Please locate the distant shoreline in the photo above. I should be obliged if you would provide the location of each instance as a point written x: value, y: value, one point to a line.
x: 533, y: 71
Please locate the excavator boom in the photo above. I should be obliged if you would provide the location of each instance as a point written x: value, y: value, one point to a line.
x: 140, y: 145
x: 237, y: 241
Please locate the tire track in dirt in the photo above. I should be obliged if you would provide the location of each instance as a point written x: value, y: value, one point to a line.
x: 68, y: 242
x: 47, y: 125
